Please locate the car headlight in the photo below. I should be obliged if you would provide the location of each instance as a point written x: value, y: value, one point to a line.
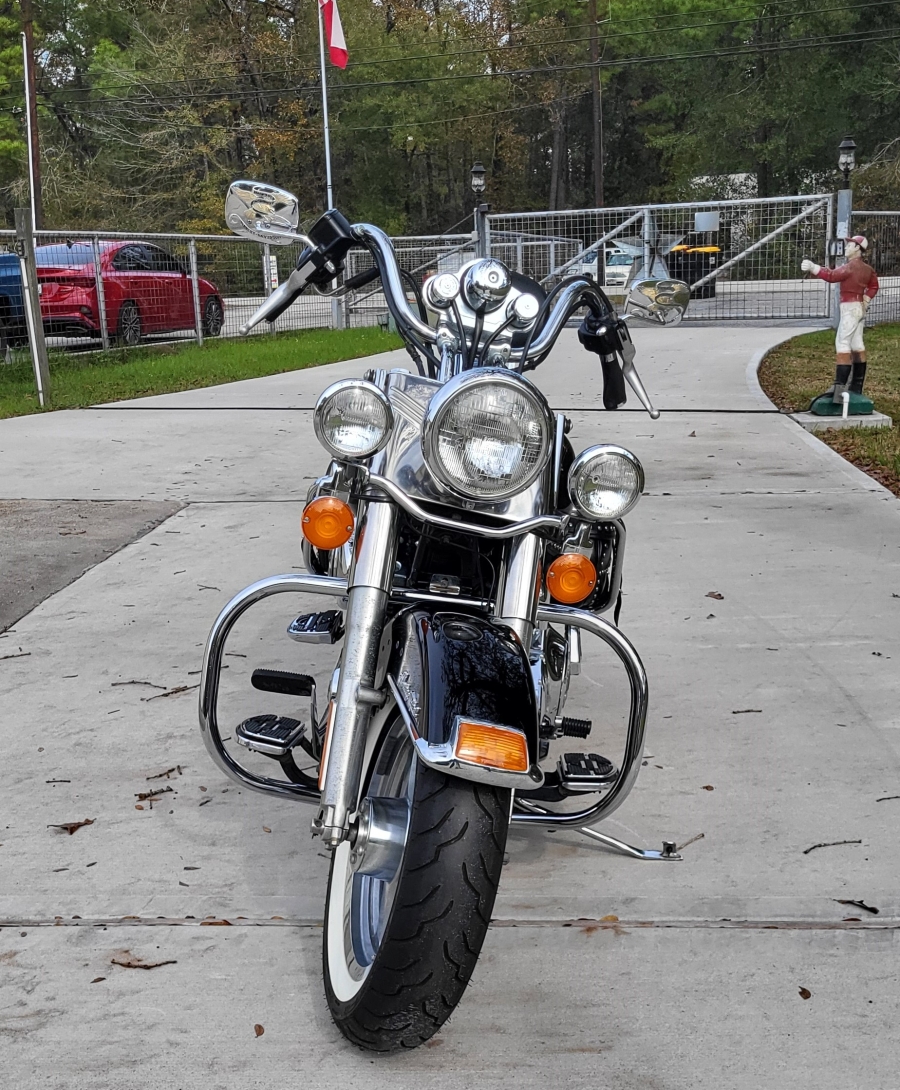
x: 487, y: 434
x: 605, y: 482
x: 353, y: 419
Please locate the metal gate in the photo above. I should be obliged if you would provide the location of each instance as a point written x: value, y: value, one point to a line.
x: 882, y: 229
x: 741, y: 258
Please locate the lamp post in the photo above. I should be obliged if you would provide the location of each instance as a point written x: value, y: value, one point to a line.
x: 477, y: 175
x: 846, y: 164
x: 847, y: 158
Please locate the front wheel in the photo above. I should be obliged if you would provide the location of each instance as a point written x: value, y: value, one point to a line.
x: 404, y: 924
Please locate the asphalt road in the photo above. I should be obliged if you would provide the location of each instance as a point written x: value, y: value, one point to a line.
x: 773, y: 733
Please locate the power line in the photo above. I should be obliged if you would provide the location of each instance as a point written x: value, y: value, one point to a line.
x: 816, y: 41
x: 486, y: 49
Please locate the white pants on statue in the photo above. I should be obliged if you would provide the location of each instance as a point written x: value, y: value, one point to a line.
x: 850, y: 330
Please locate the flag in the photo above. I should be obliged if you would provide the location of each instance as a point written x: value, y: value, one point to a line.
x: 334, y: 33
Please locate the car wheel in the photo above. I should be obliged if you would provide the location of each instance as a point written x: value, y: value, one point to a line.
x: 128, y: 331
x: 213, y: 317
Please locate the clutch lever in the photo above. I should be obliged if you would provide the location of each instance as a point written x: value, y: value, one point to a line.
x: 630, y: 371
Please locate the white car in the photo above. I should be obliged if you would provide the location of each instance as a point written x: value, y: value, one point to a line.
x: 618, y: 266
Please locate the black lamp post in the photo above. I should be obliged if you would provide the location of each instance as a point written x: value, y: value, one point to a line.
x: 847, y: 158
x: 477, y: 175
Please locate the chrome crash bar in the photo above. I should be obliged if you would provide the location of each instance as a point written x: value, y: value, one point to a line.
x: 634, y: 741
x: 212, y: 666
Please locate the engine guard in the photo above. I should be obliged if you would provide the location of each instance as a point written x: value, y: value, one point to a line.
x: 445, y: 667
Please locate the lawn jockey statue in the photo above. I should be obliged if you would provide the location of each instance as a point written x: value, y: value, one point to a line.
x: 859, y: 285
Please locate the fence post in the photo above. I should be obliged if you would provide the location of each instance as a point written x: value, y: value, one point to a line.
x: 195, y: 288
x: 101, y: 293
x: 520, y: 254
x: 33, y: 320
x: 844, y: 215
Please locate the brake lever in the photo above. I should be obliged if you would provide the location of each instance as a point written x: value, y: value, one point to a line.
x: 630, y: 371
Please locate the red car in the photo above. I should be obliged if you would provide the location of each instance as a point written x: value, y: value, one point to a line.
x: 147, y: 290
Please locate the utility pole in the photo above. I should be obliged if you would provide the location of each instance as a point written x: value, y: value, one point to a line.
x: 596, y: 105
x: 34, y: 149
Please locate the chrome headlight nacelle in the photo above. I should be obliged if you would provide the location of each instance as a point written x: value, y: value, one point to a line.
x: 605, y: 482
x: 353, y: 419
x: 488, y: 434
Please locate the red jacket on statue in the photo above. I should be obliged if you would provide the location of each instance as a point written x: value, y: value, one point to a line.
x: 857, y: 279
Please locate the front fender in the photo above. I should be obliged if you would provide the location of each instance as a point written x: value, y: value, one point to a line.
x: 445, y: 666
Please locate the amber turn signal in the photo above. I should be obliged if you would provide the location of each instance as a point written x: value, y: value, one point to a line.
x: 486, y: 744
x: 571, y: 578
x: 327, y: 522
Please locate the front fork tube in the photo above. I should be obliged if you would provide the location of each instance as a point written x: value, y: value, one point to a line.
x: 519, y: 590
x: 369, y: 586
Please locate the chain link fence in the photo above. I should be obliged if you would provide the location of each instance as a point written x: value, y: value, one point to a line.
x: 741, y: 258
x: 882, y: 229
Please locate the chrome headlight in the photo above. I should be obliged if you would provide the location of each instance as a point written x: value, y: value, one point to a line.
x: 605, y: 482
x: 353, y: 419
x: 487, y: 434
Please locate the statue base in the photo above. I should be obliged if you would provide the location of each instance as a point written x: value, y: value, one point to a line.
x: 860, y: 405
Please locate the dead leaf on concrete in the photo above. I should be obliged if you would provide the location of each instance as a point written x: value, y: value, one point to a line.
x: 258, y: 1030
x: 715, y: 594
x: 127, y: 960
x: 693, y: 435
x: 708, y: 787
x: 97, y: 979
x: 805, y: 993
x: 859, y: 904
x: 266, y: 829
x: 70, y: 826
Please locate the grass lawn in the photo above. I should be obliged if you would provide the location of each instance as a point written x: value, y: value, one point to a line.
x: 81, y: 379
x: 795, y: 372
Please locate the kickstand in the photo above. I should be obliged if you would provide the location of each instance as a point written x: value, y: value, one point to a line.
x: 668, y: 852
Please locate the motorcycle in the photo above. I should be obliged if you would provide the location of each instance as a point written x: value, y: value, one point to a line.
x: 467, y: 547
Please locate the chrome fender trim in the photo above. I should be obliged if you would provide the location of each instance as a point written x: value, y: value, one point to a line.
x: 637, y: 719
x: 212, y: 664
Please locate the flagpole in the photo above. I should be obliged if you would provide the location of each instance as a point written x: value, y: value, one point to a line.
x: 325, y: 110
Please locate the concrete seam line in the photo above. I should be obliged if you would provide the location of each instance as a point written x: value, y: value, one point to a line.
x: 882, y: 924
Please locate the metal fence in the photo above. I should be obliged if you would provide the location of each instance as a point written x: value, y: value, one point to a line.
x: 741, y: 258
x: 882, y: 229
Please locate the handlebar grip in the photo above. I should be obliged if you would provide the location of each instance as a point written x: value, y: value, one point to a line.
x: 282, y: 297
x: 361, y: 279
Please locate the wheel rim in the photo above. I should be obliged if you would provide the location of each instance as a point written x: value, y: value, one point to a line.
x: 360, y: 903
x: 213, y: 318
x: 130, y: 323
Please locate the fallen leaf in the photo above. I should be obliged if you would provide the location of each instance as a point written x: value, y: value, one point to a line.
x: 708, y: 787
x: 97, y: 979
x: 805, y: 993
x: 709, y: 616
x: 71, y: 826
x: 215, y: 923
x: 138, y: 806
x: 266, y: 829
x: 859, y: 904
x: 715, y: 594
x: 609, y: 919
x: 127, y: 960
x: 693, y: 435
x: 258, y: 1030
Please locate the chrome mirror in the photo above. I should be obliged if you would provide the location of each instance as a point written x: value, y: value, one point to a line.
x: 662, y: 302
x: 263, y: 212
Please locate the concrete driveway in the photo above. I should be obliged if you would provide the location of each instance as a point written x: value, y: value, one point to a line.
x: 773, y: 729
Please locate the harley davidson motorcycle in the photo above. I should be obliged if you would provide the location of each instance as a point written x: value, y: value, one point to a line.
x: 466, y: 548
